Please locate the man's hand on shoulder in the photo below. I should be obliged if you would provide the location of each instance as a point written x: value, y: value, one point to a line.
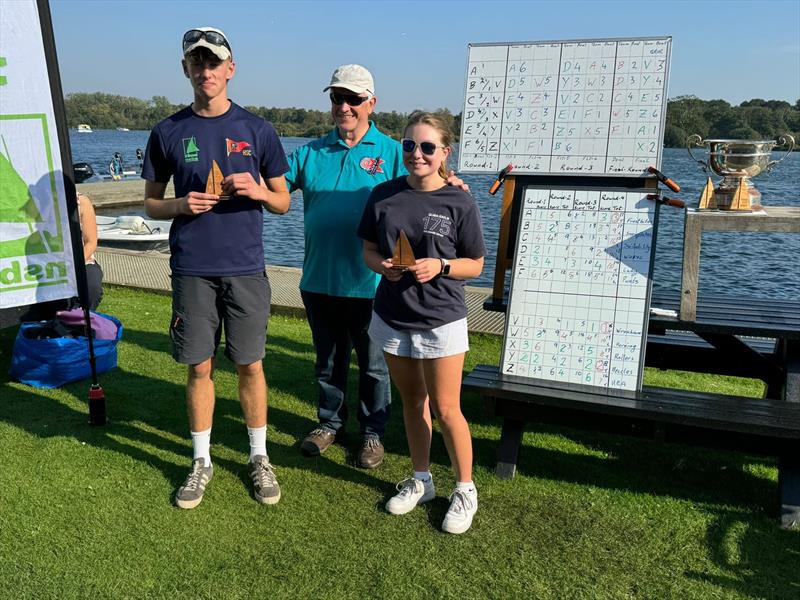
x: 455, y: 181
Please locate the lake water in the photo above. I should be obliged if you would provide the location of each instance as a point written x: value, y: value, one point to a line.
x: 755, y: 265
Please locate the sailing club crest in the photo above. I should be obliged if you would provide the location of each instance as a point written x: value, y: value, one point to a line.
x: 372, y: 165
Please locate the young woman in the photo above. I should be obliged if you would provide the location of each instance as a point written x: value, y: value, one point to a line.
x: 420, y: 318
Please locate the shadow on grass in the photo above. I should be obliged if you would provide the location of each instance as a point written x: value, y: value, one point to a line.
x: 642, y: 466
x: 745, y: 542
x: 759, y: 560
x: 147, y: 415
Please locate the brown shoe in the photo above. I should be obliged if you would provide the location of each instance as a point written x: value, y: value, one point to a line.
x: 370, y: 455
x: 317, y: 442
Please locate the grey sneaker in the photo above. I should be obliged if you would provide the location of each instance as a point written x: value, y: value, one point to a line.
x: 265, y: 485
x: 191, y: 492
x: 463, y: 506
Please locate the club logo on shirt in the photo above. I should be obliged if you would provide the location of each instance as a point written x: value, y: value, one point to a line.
x: 234, y: 147
x: 191, y: 153
x: 372, y: 165
x: 438, y: 225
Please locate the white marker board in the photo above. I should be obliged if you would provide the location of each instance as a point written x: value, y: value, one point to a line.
x: 586, y: 107
x: 580, y: 287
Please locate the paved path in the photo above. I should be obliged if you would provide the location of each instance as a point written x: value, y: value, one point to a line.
x: 150, y: 271
x: 108, y: 194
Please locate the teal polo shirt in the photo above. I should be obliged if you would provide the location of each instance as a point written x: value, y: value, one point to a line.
x: 336, y: 181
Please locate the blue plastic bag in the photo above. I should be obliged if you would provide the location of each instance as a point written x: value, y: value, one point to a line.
x: 52, y: 362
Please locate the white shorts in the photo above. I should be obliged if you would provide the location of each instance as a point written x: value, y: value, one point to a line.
x: 438, y: 342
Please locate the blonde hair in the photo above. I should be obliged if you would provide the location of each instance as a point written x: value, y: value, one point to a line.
x: 440, y: 125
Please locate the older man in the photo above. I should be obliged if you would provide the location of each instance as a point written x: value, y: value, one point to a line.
x: 337, y: 173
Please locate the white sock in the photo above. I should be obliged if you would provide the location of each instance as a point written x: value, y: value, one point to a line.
x: 423, y: 476
x: 466, y: 486
x: 258, y: 441
x: 201, y: 445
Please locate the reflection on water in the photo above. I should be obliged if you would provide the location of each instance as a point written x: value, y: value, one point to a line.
x: 747, y: 264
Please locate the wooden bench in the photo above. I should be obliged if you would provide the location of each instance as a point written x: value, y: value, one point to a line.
x: 686, y: 351
x: 757, y: 426
x: 755, y: 338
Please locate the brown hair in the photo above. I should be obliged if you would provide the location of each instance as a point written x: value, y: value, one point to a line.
x: 434, y: 120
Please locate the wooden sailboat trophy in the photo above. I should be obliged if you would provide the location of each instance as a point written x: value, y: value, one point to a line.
x: 403, y: 256
x: 214, y: 181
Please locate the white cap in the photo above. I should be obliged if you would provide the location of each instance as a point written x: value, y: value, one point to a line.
x: 221, y: 52
x: 354, y: 78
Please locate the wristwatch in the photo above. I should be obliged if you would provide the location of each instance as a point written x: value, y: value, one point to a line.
x: 445, y: 267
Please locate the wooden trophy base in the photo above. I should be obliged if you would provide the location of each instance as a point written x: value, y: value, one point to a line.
x: 739, y: 199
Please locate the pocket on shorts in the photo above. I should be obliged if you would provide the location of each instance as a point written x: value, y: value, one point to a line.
x: 177, y: 329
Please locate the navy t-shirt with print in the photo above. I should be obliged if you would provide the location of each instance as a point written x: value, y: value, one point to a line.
x: 444, y: 223
x: 226, y: 241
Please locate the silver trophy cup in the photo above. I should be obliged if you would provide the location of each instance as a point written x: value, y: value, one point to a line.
x: 737, y: 161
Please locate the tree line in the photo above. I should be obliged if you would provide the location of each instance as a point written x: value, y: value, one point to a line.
x: 686, y: 115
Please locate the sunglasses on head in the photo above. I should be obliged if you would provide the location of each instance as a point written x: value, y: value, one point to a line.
x: 212, y: 37
x: 351, y: 99
x: 427, y: 148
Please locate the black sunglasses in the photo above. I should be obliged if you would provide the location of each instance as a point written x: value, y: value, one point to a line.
x: 351, y: 99
x: 427, y: 148
x: 212, y: 37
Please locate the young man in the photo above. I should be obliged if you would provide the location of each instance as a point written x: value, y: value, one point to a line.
x: 337, y: 173
x: 218, y: 272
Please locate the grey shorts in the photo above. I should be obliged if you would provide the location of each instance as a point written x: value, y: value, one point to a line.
x: 445, y: 340
x: 203, y: 306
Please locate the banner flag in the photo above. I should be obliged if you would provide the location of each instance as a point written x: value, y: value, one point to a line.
x: 36, y: 257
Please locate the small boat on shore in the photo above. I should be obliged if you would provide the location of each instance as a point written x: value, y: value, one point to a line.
x: 104, y: 222
x: 132, y: 232
x: 82, y: 172
x: 122, y: 129
x: 84, y: 128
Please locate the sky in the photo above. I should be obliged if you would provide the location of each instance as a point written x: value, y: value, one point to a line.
x: 285, y: 52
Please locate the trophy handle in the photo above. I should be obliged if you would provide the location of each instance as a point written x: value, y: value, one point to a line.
x: 784, y: 140
x: 696, y: 140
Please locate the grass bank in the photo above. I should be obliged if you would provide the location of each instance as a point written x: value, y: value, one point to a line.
x: 86, y: 512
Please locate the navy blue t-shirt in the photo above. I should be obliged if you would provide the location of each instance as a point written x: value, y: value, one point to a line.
x: 444, y: 223
x: 225, y: 241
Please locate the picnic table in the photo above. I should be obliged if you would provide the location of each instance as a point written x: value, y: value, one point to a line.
x: 729, y: 336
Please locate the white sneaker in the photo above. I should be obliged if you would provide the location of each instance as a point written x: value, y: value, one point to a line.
x: 463, y: 506
x: 412, y: 492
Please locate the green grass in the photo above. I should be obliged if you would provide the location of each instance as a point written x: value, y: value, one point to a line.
x: 86, y: 512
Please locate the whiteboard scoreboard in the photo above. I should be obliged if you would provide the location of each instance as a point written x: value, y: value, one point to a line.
x: 580, y: 287
x: 585, y: 107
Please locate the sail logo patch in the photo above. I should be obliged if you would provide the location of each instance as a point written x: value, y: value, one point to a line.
x: 191, y: 153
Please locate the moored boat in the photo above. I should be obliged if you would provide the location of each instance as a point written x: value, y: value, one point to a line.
x: 84, y: 128
x: 132, y: 232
